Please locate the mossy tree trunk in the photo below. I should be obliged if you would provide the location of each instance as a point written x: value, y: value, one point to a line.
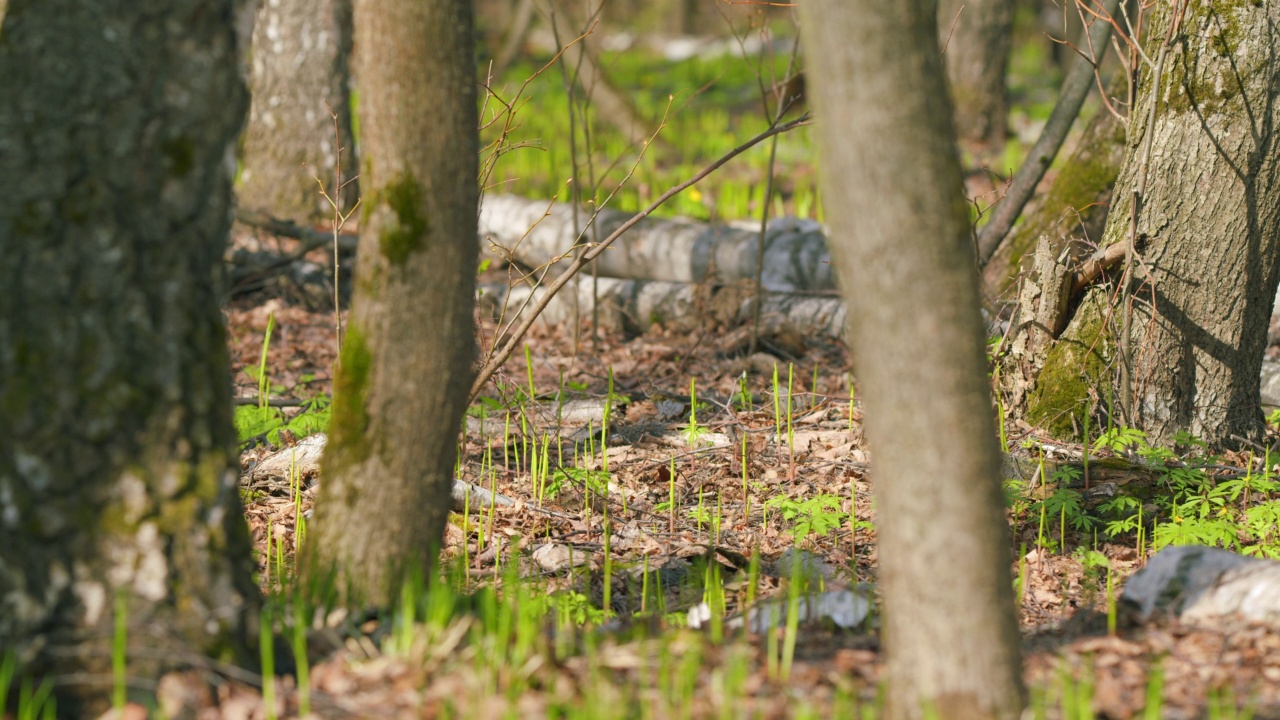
x: 978, y: 36
x: 301, y: 54
x: 1209, y: 226
x: 894, y: 198
x: 407, y: 358
x: 118, y: 478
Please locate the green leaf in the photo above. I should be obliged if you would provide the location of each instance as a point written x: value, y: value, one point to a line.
x: 252, y: 421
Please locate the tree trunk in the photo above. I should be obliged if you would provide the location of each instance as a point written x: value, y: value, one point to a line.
x: 977, y: 35
x: 117, y: 471
x: 894, y: 197
x: 1210, y: 222
x: 407, y: 358
x: 301, y: 51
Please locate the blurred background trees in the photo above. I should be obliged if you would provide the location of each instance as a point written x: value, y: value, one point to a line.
x: 299, y: 126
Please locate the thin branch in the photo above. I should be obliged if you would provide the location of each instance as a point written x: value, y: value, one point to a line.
x: 950, y: 32
x: 1099, y: 262
x: 780, y: 105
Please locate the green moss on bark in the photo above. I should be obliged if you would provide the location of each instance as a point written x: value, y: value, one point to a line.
x: 179, y: 155
x: 1077, y: 362
x: 405, y: 231
x: 1080, y: 183
x: 349, y: 422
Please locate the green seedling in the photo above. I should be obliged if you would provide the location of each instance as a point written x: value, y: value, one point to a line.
x: 1021, y: 586
x: 606, y: 604
x: 818, y: 515
x: 119, y: 643
x: 791, y: 435
x: 1155, y: 692
x: 744, y: 394
x: 794, y: 591
x: 693, y: 432
x: 299, y: 647
x: 1111, y: 602
x: 266, y: 651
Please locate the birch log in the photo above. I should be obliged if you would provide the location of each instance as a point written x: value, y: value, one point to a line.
x: 633, y: 306
x: 535, y: 232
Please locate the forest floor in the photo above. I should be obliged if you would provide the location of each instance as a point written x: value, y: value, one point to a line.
x: 754, y: 478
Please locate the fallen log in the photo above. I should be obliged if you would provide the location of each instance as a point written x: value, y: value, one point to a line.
x: 303, y: 460
x: 311, y: 239
x: 535, y: 233
x: 633, y: 306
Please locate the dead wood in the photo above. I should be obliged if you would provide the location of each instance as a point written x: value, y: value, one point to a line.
x: 310, y: 238
x: 535, y: 233
x: 1098, y: 263
x: 303, y: 461
x: 516, y: 335
x: 633, y: 306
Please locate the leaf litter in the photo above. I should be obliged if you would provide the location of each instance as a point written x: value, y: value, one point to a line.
x: 712, y: 523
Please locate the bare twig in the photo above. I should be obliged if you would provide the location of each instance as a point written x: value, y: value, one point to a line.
x: 501, y: 356
x: 499, y: 147
x: 339, y: 220
x: 576, y: 105
x: 952, y: 31
x: 781, y: 105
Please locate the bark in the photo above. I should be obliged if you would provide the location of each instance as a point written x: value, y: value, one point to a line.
x: 977, y: 55
x: 301, y: 51
x: 407, y: 357
x: 1210, y: 220
x: 117, y: 470
x: 1040, y: 313
x: 894, y: 195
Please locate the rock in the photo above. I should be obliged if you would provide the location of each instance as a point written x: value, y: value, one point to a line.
x: 1200, y: 583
